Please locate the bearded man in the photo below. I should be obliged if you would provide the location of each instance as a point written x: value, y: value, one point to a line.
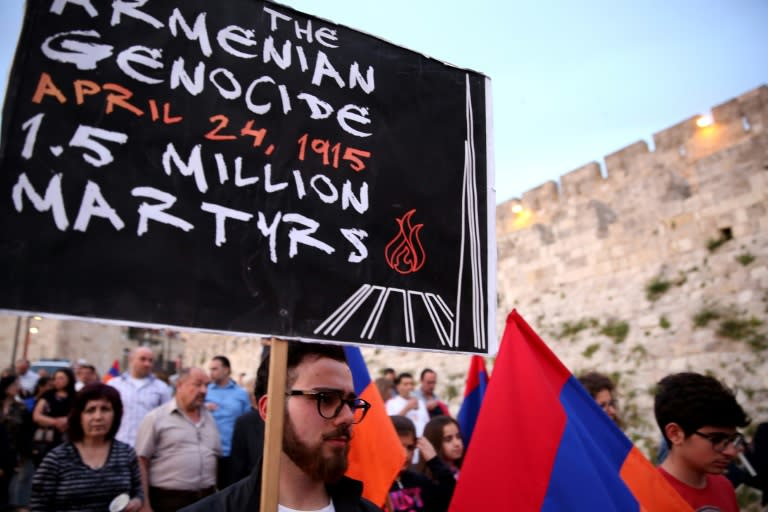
x: 321, y: 407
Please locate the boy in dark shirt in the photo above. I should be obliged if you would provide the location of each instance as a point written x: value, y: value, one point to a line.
x: 414, y: 491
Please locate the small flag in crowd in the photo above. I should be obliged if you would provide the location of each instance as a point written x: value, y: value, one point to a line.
x: 114, y: 371
x: 376, y: 455
x: 477, y: 381
x: 542, y: 443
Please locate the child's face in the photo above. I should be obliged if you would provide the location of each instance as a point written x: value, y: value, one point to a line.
x: 409, y: 444
x: 453, y: 446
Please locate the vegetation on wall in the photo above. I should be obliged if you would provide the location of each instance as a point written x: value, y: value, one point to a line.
x: 745, y: 258
x: 617, y: 330
x: 590, y: 350
x: 704, y: 316
x: 656, y: 288
x: 733, y: 326
x: 570, y: 329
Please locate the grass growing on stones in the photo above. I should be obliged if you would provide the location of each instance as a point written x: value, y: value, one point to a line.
x: 617, y: 330
x: 745, y: 258
x: 656, y: 288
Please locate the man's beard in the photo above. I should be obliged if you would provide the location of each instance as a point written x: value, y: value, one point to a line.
x: 311, y: 460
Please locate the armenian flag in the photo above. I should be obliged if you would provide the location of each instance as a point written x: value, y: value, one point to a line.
x: 542, y: 443
x: 114, y: 371
x: 376, y: 455
x: 477, y: 382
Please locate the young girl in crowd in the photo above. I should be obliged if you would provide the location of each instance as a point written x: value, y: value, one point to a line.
x: 443, y: 432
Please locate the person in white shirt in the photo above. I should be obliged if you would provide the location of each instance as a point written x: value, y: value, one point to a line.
x: 27, y: 379
x: 140, y: 392
x: 404, y: 404
x: 85, y: 374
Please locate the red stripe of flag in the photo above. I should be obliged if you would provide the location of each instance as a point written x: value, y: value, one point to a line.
x: 542, y: 443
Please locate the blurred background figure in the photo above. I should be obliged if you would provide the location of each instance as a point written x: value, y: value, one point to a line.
x: 227, y: 401
x: 601, y: 388
x: 248, y: 436
x: 15, y: 429
x: 140, y: 391
x: 27, y: 378
x: 426, y: 393
x: 50, y: 414
x: 85, y: 374
x: 92, y: 468
x: 405, y: 404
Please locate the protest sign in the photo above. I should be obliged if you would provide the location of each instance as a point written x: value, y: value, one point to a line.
x: 243, y: 167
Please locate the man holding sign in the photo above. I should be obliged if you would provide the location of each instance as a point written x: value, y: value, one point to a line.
x: 320, y: 409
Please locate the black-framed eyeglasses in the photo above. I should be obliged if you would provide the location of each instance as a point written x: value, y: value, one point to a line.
x: 720, y: 440
x: 330, y: 403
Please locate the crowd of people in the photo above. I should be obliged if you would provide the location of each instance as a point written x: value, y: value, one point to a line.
x: 197, y: 445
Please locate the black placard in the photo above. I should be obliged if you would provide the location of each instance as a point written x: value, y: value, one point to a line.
x: 242, y: 167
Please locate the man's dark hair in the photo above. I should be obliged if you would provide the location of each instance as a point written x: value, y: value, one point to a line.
x: 262, y: 379
x: 95, y: 391
x: 595, y: 382
x: 403, y: 426
x: 387, y: 371
x: 693, y: 401
x: 426, y: 371
x: 297, y: 352
x: 224, y: 360
x: 404, y: 375
x: 87, y: 366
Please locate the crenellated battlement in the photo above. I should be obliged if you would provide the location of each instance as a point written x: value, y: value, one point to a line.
x: 653, y: 264
x: 679, y: 147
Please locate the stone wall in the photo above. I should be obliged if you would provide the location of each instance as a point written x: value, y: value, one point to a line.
x: 657, y: 265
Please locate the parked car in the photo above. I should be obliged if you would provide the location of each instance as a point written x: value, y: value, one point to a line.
x: 49, y: 365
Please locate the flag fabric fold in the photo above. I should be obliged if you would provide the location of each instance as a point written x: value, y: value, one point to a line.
x: 114, y: 371
x: 477, y: 382
x: 541, y: 443
x: 376, y: 454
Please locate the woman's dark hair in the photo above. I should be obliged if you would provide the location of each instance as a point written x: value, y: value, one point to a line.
x: 41, y: 383
x: 403, y: 426
x: 5, y: 383
x: 433, y: 431
x: 595, y: 382
x: 71, y: 377
x: 95, y: 391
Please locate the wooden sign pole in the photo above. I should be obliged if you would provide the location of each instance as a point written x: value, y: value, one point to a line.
x: 273, y: 433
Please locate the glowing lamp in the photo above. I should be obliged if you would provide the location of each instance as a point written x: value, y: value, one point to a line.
x: 704, y: 121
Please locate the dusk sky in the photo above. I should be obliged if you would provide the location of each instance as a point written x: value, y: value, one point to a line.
x: 571, y: 81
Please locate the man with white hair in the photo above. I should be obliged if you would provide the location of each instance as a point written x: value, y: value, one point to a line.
x: 140, y: 392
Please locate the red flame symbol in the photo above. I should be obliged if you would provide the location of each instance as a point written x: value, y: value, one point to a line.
x: 404, y: 253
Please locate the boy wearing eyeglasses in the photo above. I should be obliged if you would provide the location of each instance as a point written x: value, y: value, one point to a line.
x: 698, y: 417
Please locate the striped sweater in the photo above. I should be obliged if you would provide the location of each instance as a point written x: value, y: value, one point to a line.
x: 64, y: 483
